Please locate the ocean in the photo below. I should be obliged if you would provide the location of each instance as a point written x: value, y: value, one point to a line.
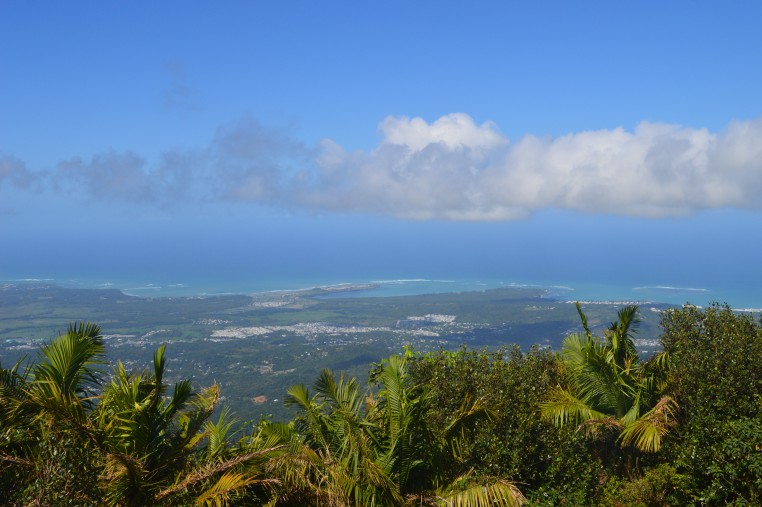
x: 693, y: 260
x: 158, y: 286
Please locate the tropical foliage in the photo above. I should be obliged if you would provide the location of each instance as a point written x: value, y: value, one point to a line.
x: 594, y: 424
x: 71, y: 437
x: 376, y: 448
x: 551, y: 464
x: 716, y: 375
x: 608, y: 388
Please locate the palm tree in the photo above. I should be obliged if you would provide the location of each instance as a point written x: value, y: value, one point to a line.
x: 68, y: 439
x: 152, y: 442
x: 46, y: 432
x: 332, y: 458
x: 608, y: 387
x: 350, y: 449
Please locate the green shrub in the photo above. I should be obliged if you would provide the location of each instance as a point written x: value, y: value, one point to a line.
x: 551, y: 465
x: 659, y: 486
x: 716, y: 378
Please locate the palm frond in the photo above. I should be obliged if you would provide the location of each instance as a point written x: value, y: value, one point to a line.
x: 218, y: 434
x: 493, y: 493
x: 202, y: 474
x: 202, y: 405
x: 124, y: 480
x: 595, y: 428
x: 583, y: 319
x: 620, y: 333
x: 218, y: 495
x: 14, y: 389
x: 311, y: 420
x: 646, y: 432
x: 563, y: 407
x: 68, y: 366
x: 468, y: 415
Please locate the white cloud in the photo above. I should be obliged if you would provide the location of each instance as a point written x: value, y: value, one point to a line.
x: 454, y: 131
x: 449, y: 169
x: 452, y: 169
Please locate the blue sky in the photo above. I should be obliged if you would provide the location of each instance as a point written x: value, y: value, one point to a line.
x: 532, y: 140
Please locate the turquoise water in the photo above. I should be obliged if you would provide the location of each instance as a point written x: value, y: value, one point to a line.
x: 738, y: 298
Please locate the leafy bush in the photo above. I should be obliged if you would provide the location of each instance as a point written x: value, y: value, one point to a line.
x: 716, y: 378
x: 659, y: 486
x: 550, y: 464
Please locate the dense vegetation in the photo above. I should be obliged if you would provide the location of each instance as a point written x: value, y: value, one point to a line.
x: 592, y: 424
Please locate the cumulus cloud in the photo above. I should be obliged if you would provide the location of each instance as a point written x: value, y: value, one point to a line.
x: 454, y: 131
x: 449, y: 169
x: 452, y: 169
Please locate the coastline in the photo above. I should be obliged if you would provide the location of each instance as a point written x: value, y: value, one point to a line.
x: 586, y: 293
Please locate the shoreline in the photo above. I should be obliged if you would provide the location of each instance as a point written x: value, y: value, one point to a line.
x: 586, y: 293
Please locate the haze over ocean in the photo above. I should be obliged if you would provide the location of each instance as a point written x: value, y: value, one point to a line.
x: 583, y: 258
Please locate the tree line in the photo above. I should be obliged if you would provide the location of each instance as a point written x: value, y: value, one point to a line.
x: 592, y: 424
